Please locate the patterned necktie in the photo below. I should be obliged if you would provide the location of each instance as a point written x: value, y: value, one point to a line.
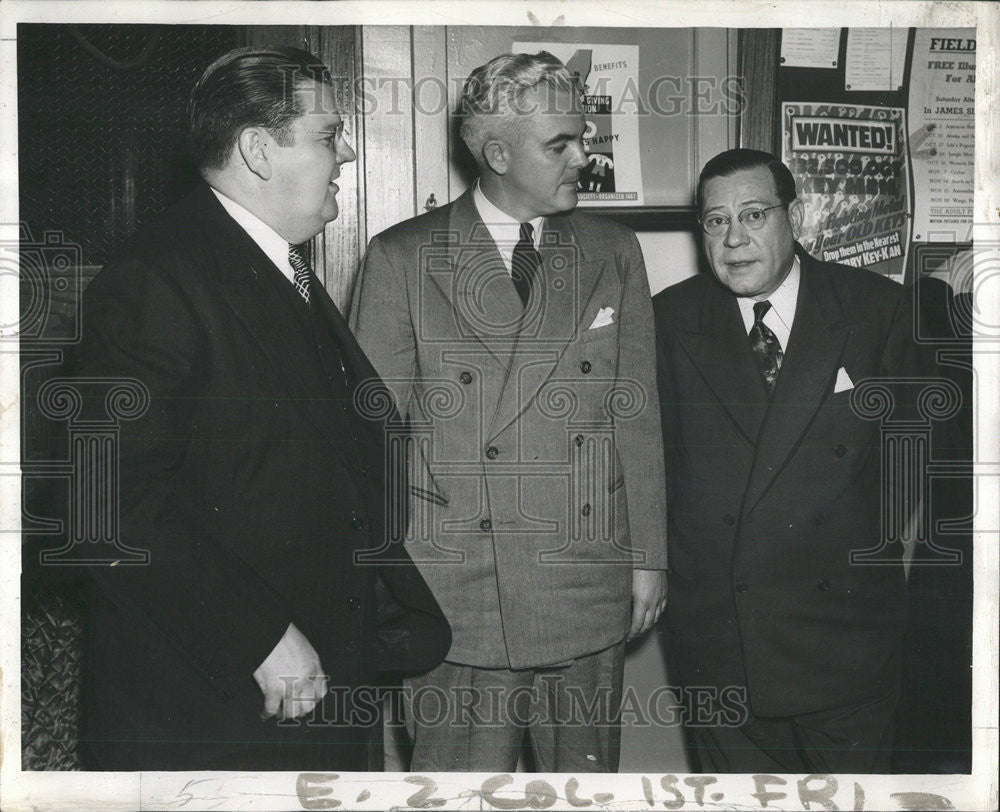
x: 300, y: 267
x: 524, y: 263
x: 765, y: 346
x: 302, y: 281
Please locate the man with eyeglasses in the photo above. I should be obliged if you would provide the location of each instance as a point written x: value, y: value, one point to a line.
x: 789, y: 652
x: 251, y: 637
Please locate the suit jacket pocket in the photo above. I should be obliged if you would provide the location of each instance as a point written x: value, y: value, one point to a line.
x: 597, y: 333
x: 429, y: 496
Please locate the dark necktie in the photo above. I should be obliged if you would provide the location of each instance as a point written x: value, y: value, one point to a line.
x: 302, y: 271
x: 766, y: 347
x: 524, y: 263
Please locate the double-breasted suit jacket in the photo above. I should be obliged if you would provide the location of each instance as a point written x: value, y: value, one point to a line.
x: 767, y: 500
x: 252, y: 482
x: 536, y: 467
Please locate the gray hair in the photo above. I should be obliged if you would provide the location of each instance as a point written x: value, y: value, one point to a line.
x: 493, y: 95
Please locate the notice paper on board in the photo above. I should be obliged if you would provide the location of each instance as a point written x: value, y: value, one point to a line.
x: 810, y: 47
x: 876, y: 58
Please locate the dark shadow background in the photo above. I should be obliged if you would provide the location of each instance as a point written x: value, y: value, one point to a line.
x: 101, y: 136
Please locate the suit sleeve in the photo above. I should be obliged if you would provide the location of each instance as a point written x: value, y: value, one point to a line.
x: 639, y: 438
x: 904, y: 355
x: 666, y: 386
x: 412, y: 634
x: 382, y: 323
x: 195, y: 591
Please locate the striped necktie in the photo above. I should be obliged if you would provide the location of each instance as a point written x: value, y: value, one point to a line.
x: 302, y: 271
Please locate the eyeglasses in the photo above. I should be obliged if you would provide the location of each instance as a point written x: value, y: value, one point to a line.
x: 338, y: 130
x: 334, y: 133
x: 331, y: 138
x: 715, y: 225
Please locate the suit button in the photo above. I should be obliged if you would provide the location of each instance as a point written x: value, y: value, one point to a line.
x: 840, y: 450
x: 729, y: 519
x: 585, y: 510
x: 357, y: 522
x: 465, y: 377
x: 486, y: 525
x: 492, y: 452
x: 742, y: 586
x: 823, y: 586
x: 353, y: 604
x: 585, y: 367
x: 820, y: 518
x: 578, y: 440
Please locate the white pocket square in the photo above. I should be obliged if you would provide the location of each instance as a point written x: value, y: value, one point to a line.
x: 605, y: 316
x: 844, y: 381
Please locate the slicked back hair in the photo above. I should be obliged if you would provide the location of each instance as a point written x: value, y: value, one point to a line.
x: 734, y: 160
x: 249, y: 87
x: 493, y: 95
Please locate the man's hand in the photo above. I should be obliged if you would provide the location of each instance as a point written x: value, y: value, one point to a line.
x: 649, y: 598
x: 291, y: 678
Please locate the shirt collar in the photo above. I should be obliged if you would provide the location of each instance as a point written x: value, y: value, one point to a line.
x: 503, y: 228
x: 782, y: 312
x: 270, y: 241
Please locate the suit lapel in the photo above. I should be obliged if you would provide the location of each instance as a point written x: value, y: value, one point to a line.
x: 716, y: 342
x: 484, y: 302
x: 248, y: 281
x: 356, y: 363
x: 475, y: 282
x: 358, y: 368
x: 814, y: 352
x: 566, y: 283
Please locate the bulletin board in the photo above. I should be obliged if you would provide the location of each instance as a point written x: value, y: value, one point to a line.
x: 877, y: 126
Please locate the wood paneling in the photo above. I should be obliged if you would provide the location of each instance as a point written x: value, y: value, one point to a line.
x: 335, y: 253
x: 388, y: 140
x: 431, y: 115
x: 341, y: 243
x: 759, y: 52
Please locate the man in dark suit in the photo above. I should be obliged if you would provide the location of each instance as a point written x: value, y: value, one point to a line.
x: 252, y: 480
x: 539, y: 493
x: 774, y: 480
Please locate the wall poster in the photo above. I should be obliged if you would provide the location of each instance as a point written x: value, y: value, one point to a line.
x: 943, y: 133
x: 850, y: 167
x: 610, y: 78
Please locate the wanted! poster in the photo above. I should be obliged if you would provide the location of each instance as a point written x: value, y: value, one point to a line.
x: 850, y: 166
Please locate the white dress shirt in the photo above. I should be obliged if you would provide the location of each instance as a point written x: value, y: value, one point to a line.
x: 504, y: 229
x: 270, y: 241
x: 782, y: 311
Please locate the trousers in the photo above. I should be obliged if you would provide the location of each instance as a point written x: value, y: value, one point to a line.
x: 469, y: 719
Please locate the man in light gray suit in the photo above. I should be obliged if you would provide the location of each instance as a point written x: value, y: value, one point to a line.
x: 516, y: 335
